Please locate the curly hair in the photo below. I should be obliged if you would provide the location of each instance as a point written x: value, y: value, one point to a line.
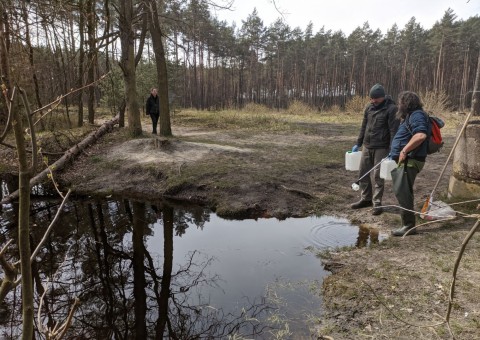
x: 407, y: 103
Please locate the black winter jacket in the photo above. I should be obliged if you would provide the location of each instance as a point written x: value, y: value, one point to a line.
x: 379, y: 125
x: 153, y: 105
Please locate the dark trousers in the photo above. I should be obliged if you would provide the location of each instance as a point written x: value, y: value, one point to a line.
x: 154, y: 122
x: 370, y: 158
x: 403, y: 179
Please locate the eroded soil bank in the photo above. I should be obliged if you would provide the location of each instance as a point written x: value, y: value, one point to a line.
x: 281, y: 166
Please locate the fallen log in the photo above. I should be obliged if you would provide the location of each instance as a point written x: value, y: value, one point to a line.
x: 69, y: 155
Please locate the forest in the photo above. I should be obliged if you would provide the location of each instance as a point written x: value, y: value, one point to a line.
x: 55, y: 46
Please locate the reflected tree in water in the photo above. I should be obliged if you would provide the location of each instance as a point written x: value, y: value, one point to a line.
x: 139, y: 280
x: 100, y: 257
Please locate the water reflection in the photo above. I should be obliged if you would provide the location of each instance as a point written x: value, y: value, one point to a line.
x: 98, y: 254
x: 144, y: 270
x: 367, y: 236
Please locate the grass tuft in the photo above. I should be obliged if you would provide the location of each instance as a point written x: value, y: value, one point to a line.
x: 299, y: 108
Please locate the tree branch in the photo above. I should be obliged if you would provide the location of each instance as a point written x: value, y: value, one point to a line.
x: 50, y: 227
x: 8, y: 282
x: 457, y: 264
x: 57, y: 101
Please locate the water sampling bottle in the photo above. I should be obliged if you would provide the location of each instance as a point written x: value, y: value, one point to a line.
x: 352, y: 160
x: 386, y: 169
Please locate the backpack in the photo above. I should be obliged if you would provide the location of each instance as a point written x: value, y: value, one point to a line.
x: 435, y: 140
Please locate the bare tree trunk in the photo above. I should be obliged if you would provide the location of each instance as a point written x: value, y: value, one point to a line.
x: 25, y: 173
x: 167, y: 271
x: 476, y: 91
x: 24, y: 230
x: 465, y: 73
x: 81, y: 60
x: 364, y: 72
x: 92, y: 59
x: 139, y: 281
x: 30, y: 54
x: 127, y: 63
x: 194, y: 81
x: 162, y: 76
x: 437, y: 83
x: 403, y: 78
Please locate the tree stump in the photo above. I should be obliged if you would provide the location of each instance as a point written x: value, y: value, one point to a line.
x: 160, y: 142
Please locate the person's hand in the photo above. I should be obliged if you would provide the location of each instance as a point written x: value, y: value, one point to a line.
x: 355, y: 148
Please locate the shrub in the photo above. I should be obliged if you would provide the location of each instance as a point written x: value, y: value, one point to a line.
x: 255, y: 108
x: 356, y: 104
x: 435, y: 102
x: 335, y: 109
x: 298, y: 107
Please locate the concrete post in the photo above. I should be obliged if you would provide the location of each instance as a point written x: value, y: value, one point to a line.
x: 465, y: 179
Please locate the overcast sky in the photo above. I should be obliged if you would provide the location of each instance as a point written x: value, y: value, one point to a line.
x: 346, y: 15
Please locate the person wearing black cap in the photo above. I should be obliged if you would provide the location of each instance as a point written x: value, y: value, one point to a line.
x: 379, y: 126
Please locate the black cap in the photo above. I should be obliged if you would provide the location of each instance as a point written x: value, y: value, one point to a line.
x: 377, y: 91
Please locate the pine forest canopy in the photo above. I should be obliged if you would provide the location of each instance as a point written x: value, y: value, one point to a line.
x: 55, y: 46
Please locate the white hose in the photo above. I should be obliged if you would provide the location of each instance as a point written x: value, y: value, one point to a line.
x: 369, y: 171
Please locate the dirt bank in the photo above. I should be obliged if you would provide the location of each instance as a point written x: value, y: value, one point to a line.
x: 281, y: 166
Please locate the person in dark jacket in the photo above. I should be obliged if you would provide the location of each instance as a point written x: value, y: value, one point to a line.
x: 378, y: 128
x: 409, y: 148
x: 152, y: 108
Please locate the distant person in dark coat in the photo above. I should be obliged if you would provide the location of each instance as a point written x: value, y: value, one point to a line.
x: 153, y: 109
x: 378, y: 128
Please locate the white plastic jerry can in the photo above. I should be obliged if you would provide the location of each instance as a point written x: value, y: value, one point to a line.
x: 386, y: 169
x: 352, y: 160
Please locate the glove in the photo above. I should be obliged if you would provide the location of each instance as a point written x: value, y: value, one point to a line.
x: 355, y: 148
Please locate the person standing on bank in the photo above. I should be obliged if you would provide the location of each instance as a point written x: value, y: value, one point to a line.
x: 378, y: 128
x: 153, y: 108
x: 409, y: 149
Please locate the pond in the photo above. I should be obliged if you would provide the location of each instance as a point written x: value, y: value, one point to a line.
x: 152, y: 270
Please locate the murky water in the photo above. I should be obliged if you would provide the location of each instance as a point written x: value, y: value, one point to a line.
x: 144, y: 270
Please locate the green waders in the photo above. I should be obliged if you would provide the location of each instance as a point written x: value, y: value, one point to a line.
x: 403, y: 178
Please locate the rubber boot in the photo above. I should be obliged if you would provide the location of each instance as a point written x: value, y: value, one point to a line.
x: 403, y: 230
x: 361, y: 204
x: 377, y: 209
x: 408, y: 222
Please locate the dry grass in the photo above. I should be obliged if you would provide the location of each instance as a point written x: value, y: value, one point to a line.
x: 356, y: 105
x: 436, y: 102
x: 254, y: 108
x: 299, y: 108
x: 261, y: 118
